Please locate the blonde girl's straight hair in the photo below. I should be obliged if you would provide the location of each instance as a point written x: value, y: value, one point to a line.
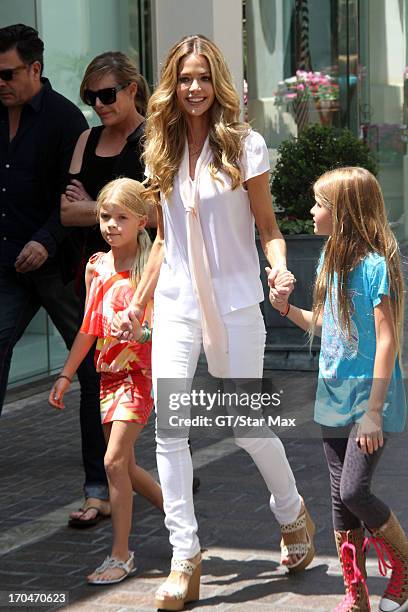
x: 166, y: 127
x: 125, y: 72
x: 128, y: 194
x: 360, y: 227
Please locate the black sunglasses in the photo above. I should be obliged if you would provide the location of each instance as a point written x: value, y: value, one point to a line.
x: 8, y: 73
x: 106, y: 95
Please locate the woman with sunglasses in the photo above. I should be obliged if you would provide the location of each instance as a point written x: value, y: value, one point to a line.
x: 118, y: 94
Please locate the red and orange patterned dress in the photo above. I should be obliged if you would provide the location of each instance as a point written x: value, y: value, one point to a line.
x: 125, y: 367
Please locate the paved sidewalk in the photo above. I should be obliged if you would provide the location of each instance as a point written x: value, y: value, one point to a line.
x: 40, y: 481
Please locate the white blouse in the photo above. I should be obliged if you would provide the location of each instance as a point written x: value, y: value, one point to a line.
x: 229, y: 235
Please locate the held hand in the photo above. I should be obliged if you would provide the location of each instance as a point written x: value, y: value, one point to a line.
x: 120, y: 324
x: 285, y: 278
x: 273, y: 273
x: 369, y: 434
x: 125, y: 325
x: 279, y: 302
x: 280, y: 294
x: 136, y: 327
x: 281, y: 286
x: 284, y: 285
x: 57, y: 393
x: 75, y: 191
x: 280, y: 277
x: 31, y: 257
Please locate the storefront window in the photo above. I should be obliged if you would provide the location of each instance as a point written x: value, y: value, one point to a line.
x: 296, y: 71
x: 333, y: 62
x: 384, y: 101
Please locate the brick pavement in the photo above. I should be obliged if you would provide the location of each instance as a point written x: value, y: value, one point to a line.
x: 40, y: 476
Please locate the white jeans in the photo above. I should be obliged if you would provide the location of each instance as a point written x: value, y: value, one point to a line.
x: 176, y: 348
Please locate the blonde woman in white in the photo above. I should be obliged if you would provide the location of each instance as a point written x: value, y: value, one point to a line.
x: 209, y: 178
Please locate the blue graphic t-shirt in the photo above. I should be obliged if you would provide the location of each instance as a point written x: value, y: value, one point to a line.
x: 346, y: 364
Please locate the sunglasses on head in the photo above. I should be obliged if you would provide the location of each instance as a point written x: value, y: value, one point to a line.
x: 106, y: 95
x: 7, y: 74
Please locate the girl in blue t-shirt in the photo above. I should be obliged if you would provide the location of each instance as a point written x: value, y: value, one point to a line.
x: 358, y: 311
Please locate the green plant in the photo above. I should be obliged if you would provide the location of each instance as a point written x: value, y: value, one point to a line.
x: 301, y: 161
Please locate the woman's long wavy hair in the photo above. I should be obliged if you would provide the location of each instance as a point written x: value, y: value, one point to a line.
x: 124, y: 70
x: 128, y: 194
x: 360, y: 227
x: 166, y: 127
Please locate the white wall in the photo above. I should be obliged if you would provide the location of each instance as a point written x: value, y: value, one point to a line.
x: 267, y: 41
x: 387, y: 59
x: 219, y: 21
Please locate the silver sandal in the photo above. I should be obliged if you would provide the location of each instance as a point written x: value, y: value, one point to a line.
x: 111, y: 563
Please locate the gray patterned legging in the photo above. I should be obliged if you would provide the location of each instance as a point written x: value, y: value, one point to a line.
x: 351, y: 472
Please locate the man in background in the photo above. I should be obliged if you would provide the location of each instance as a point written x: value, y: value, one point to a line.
x: 38, y: 132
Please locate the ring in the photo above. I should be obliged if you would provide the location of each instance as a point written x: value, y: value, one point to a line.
x: 55, y: 397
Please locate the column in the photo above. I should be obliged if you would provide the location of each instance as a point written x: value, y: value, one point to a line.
x: 267, y: 38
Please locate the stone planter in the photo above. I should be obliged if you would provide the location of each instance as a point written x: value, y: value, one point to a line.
x: 287, y: 346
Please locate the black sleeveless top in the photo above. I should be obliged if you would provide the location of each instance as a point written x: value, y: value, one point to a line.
x: 97, y: 171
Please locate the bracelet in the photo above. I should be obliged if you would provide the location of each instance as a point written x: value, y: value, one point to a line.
x: 64, y: 376
x: 285, y: 314
x: 142, y: 338
x: 145, y: 335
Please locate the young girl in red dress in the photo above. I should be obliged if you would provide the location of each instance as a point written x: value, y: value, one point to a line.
x: 126, y: 401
